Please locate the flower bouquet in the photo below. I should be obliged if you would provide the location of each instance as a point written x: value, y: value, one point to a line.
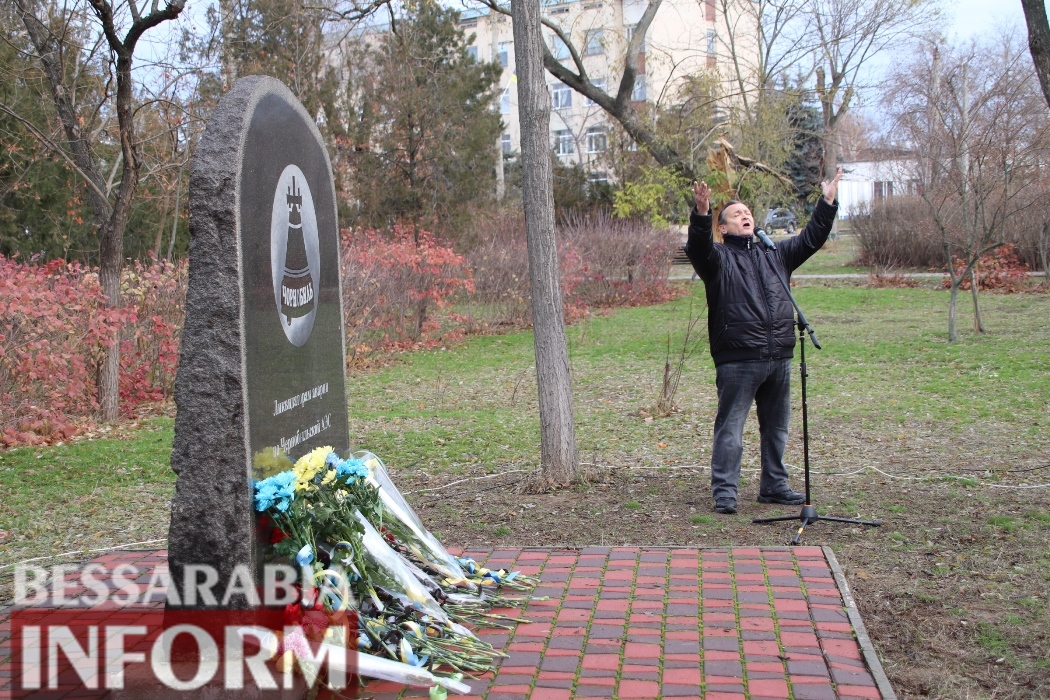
x: 345, y: 524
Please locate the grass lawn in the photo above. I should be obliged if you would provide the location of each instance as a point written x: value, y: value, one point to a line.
x: 835, y: 258
x: 949, y: 444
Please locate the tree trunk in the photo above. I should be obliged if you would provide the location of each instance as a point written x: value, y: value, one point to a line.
x: 227, y: 59
x: 828, y: 87
x: 978, y: 322
x: 501, y: 183
x: 1039, y: 41
x: 831, y: 152
x: 111, y: 257
x: 1044, y: 249
x: 554, y: 382
x: 158, y: 240
x: 175, y: 218
x: 953, y: 305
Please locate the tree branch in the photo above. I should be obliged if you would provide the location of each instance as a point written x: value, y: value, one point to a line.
x: 52, y: 146
x: 353, y: 15
x: 634, y: 48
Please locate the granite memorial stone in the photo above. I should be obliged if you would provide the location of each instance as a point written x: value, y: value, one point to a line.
x: 261, y: 377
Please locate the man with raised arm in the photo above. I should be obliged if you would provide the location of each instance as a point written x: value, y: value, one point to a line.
x: 751, y: 327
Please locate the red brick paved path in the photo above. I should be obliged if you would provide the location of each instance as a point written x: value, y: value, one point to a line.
x: 629, y: 622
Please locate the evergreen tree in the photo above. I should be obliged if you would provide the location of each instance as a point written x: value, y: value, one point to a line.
x: 43, y: 207
x: 804, y: 164
x: 422, y: 123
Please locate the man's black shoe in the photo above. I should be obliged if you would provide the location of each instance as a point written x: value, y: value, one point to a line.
x: 785, y: 498
x: 725, y: 506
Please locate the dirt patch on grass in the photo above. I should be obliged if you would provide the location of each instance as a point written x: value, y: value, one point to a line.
x: 953, y: 587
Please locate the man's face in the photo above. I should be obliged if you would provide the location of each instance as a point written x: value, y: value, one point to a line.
x: 738, y: 221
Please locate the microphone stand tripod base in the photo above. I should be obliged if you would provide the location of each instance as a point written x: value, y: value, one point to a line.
x: 810, y: 515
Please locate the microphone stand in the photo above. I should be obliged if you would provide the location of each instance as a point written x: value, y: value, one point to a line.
x: 809, y: 512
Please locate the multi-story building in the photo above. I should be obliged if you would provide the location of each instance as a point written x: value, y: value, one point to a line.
x: 682, y: 40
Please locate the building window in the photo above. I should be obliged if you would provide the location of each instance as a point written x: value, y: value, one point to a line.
x: 596, y: 139
x: 638, y: 94
x: 559, y: 49
x: 883, y: 190
x: 630, y: 36
x: 503, y: 54
x: 504, y: 101
x: 598, y: 178
x: 564, y: 144
x: 472, y: 51
x: 598, y: 83
x: 561, y: 96
x: 594, y: 43
x: 505, y: 142
x: 712, y: 42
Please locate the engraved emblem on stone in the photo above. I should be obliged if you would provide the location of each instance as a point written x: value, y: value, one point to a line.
x: 294, y: 255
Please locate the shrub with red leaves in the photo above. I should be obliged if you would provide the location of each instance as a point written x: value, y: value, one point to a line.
x: 393, y: 283
x: 604, y: 261
x: 54, y: 332
x: 398, y: 291
x: 622, y: 262
x: 1000, y: 270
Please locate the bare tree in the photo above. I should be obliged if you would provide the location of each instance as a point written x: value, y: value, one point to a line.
x: 1039, y: 41
x: 47, y: 27
x: 850, y: 33
x: 980, y: 130
x: 553, y: 377
x: 766, y: 44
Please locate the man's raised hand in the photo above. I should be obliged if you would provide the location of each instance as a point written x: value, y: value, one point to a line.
x: 702, y: 196
x: 831, y: 189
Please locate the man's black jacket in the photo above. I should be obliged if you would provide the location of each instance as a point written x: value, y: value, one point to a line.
x: 749, y: 315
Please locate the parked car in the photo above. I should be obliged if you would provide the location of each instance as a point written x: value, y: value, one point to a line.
x: 781, y: 218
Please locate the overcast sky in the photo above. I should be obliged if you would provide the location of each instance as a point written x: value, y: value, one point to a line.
x: 975, y: 16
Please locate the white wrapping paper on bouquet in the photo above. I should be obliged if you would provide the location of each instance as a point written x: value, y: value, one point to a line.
x: 394, y: 576
x: 409, y: 528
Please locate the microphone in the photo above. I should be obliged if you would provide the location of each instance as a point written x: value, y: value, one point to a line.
x: 766, y: 241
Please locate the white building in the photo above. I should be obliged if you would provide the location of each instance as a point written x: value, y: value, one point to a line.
x: 866, y: 181
x: 682, y: 40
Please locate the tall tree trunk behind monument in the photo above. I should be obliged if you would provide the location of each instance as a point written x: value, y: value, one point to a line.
x: 227, y: 59
x: 1039, y: 41
x: 553, y: 378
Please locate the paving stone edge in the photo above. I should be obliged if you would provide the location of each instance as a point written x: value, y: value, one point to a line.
x: 871, y: 657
